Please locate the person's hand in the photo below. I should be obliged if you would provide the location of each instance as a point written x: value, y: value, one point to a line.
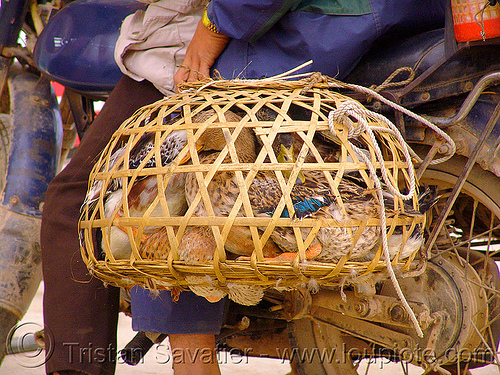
x: 201, y: 53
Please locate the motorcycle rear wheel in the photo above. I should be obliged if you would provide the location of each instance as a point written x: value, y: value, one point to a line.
x: 473, y: 224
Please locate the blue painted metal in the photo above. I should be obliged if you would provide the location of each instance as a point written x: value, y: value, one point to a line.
x: 76, y: 47
x: 35, y: 144
x: 12, y: 14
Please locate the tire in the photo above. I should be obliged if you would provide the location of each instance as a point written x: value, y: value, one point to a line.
x: 7, y: 321
x: 476, y: 211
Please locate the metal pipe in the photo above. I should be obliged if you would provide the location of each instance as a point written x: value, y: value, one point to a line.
x: 468, y: 103
x: 30, y: 342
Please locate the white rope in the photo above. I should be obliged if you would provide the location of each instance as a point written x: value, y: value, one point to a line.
x: 341, y: 115
x: 354, y: 109
x: 406, y: 151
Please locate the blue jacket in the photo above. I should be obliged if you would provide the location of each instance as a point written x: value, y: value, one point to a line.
x: 273, y: 36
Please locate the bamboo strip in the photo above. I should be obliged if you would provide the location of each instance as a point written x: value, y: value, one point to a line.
x: 247, y: 98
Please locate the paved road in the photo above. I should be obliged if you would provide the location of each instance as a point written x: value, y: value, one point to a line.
x: 156, y: 361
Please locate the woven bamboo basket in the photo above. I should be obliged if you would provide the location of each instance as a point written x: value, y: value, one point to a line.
x: 179, y: 113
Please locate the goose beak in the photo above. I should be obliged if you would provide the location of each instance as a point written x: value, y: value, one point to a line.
x: 187, y: 157
x: 286, y: 156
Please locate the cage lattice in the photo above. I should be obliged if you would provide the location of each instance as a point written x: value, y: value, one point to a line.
x: 325, y: 147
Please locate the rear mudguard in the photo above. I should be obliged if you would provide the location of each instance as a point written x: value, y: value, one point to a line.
x: 35, y: 146
x: 467, y: 133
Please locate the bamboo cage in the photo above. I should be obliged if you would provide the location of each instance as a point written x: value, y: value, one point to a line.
x: 164, y: 268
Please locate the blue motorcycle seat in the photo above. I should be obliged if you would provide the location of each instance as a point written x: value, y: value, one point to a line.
x: 453, y: 76
x: 76, y: 47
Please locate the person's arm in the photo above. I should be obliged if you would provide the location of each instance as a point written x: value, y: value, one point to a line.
x: 201, y: 53
x: 223, y: 20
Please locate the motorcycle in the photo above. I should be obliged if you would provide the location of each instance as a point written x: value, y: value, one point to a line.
x: 454, y: 289
x: 38, y: 132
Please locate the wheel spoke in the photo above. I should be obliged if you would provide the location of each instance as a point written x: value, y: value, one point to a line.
x: 404, y: 367
x: 469, y: 240
x: 368, y: 365
x: 465, y: 242
x: 488, y: 347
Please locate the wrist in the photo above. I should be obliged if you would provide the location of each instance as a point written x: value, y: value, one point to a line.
x: 207, y: 23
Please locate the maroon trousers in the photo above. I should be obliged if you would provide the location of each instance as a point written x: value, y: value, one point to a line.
x: 80, y: 313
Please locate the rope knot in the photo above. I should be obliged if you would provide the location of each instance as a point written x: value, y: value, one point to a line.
x: 313, y: 79
x: 344, y: 115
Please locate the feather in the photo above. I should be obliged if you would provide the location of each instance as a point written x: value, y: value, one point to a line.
x: 308, y: 207
x: 144, y: 190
